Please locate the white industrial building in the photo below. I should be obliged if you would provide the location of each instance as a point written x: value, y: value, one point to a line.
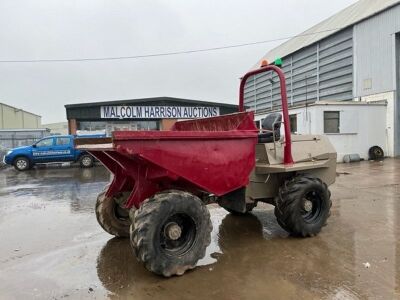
x: 350, y: 125
x: 343, y: 79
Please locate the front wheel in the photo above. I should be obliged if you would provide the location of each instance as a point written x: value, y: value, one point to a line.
x: 86, y: 161
x: 22, y: 164
x: 303, y: 205
x: 170, y: 232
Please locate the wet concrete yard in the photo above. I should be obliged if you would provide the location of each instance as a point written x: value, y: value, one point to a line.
x: 51, y: 246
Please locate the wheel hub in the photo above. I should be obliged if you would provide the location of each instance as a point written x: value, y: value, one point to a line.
x: 173, y: 231
x: 21, y: 164
x: 308, y: 205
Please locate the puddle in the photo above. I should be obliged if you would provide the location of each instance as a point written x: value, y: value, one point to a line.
x: 47, y: 215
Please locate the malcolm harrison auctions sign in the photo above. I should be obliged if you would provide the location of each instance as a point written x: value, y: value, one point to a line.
x: 157, y: 112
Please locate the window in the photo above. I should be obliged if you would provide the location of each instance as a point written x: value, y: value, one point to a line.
x: 45, y: 143
x: 118, y: 125
x: 258, y: 124
x: 62, y: 141
x: 92, y: 126
x: 293, y: 123
x: 331, y: 121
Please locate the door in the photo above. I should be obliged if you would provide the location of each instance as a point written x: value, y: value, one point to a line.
x: 63, y: 149
x: 42, y: 151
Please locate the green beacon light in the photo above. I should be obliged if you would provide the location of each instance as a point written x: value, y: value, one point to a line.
x: 278, y: 62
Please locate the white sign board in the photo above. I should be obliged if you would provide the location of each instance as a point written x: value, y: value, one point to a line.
x: 157, y: 112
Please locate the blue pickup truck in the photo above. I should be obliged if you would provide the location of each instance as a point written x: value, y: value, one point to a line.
x: 50, y: 149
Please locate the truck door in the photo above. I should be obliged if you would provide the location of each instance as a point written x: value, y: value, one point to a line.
x: 42, y: 151
x: 63, y: 149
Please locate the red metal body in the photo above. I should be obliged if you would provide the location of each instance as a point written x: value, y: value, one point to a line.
x: 287, y: 154
x: 214, y: 155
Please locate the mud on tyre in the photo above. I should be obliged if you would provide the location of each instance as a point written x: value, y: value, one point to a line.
x: 170, y: 232
x: 111, y: 216
x: 303, y: 205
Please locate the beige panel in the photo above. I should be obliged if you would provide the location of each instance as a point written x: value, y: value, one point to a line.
x: 312, y: 154
x: 31, y: 121
x: 14, y: 118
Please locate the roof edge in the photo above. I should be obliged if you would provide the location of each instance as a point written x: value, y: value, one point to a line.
x: 20, y: 109
x: 152, y: 99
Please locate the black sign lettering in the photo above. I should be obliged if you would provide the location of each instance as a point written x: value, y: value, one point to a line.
x: 157, y: 112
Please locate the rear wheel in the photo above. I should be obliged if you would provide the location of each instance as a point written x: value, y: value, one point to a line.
x: 86, y: 161
x: 303, y: 205
x: 111, y: 215
x: 22, y: 164
x: 171, y: 232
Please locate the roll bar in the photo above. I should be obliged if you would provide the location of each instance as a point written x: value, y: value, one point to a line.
x: 287, y: 151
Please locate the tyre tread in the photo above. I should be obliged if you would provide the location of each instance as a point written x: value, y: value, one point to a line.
x: 142, y: 224
x: 286, y: 203
x: 106, y: 221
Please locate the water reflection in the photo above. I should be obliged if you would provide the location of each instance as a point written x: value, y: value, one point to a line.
x: 249, y: 258
x: 246, y: 256
x: 76, y: 186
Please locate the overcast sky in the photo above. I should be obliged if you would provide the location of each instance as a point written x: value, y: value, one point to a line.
x: 49, y: 29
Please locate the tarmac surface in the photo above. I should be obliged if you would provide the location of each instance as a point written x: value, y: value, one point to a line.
x: 51, y: 246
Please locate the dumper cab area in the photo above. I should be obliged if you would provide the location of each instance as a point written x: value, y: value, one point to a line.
x: 271, y: 128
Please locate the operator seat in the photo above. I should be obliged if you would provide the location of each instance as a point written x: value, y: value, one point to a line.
x: 272, y: 123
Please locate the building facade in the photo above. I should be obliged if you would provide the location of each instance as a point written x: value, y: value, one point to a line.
x: 346, y: 123
x: 139, y: 114
x: 352, y: 56
x: 15, y: 118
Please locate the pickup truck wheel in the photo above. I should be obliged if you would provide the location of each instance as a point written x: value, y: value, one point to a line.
x: 111, y: 216
x: 86, y: 161
x: 171, y: 232
x: 303, y: 205
x: 22, y: 164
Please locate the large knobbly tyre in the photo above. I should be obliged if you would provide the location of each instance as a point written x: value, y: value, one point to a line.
x: 111, y: 216
x: 303, y: 205
x: 170, y: 232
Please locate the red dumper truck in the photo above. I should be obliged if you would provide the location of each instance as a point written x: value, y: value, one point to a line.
x: 163, y: 180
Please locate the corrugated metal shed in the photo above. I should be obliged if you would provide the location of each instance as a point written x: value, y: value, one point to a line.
x: 321, y: 71
x: 375, y: 54
x: 351, y: 15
